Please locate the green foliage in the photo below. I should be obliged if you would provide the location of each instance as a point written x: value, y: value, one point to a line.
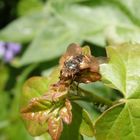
x: 4, y: 76
x: 122, y: 72
x: 59, y: 23
x: 127, y: 78
x: 29, y: 6
x: 108, y: 109
x: 86, y: 125
x: 23, y: 29
x: 119, y: 73
x: 34, y: 88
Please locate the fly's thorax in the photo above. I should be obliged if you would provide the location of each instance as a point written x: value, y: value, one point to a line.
x: 71, y: 66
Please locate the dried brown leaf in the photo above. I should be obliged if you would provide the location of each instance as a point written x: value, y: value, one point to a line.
x: 65, y: 112
x: 55, y: 126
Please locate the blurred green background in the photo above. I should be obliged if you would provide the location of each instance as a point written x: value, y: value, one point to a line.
x: 44, y: 29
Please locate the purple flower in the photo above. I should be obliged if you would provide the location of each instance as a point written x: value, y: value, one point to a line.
x: 8, y: 50
x: 2, y: 49
x: 14, y: 47
x: 8, y: 56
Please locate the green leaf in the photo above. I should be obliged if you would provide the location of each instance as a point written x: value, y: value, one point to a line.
x: 86, y: 50
x: 29, y: 6
x: 120, y: 25
x: 16, y: 126
x: 36, y: 87
x: 73, y: 21
x: 66, y: 24
x: 100, y: 90
x: 14, y: 112
x: 4, y: 74
x: 72, y: 131
x: 88, y: 138
x: 130, y: 8
x: 86, y: 127
x: 24, y: 29
x: 106, y: 121
x: 81, y: 124
x: 90, y: 109
x: 4, y: 101
x: 123, y: 69
x: 122, y: 120
x: 55, y: 38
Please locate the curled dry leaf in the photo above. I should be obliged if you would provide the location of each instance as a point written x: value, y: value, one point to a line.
x: 57, y: 92
x: 40, y: 117
x: 37, y: 104
x: 87, y: 77
x: 55, y: 127
x: 65, y: 112
x: 37, y: 110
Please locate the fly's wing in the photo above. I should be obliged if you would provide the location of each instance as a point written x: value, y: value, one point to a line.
x: 95, y: 62
x: 72, y: 50
x: 102, y: 60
